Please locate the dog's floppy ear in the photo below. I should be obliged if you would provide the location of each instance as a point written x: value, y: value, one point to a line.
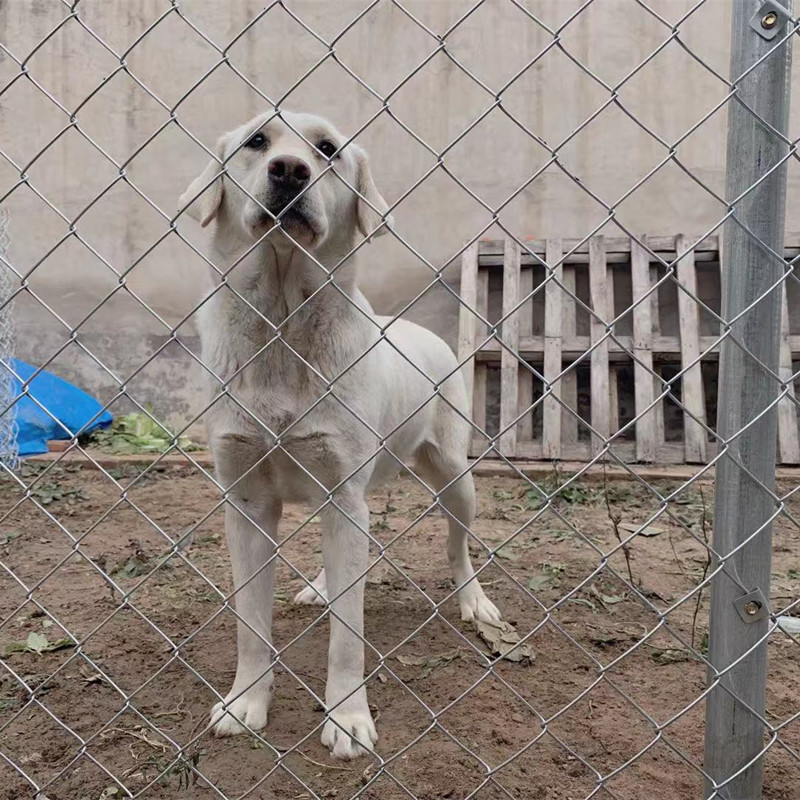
x: 369, y: 214
x: 206, y: 206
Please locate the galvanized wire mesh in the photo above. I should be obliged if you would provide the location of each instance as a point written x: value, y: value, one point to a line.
x: 665, y: 727
x: 8, y: 422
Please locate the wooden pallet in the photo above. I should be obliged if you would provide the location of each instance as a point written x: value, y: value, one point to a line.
x: 565, y: 385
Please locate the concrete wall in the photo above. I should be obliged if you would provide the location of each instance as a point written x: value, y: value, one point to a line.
x: 552, y: 98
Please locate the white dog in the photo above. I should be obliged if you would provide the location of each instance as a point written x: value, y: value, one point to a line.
x: 307, y: 376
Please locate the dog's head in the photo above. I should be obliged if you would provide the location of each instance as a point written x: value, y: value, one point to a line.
x: 297, y: 169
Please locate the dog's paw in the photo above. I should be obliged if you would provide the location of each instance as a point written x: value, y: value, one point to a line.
x: 309, y: 597
x: 314, y: 595
x: 349, y: 734
x: 475, y: 605
x: 241, y: 712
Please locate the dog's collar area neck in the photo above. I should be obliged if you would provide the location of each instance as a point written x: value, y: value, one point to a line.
x: 285, y: 277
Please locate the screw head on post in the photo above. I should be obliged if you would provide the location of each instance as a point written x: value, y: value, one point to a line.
x: 768, y: 21
x: 752, y: 608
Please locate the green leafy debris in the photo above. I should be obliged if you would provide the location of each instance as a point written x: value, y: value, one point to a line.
x: 47, y: 493
x: 38, y: 643
x: 138, y: 433
x: 539, y: 582
x: 608, y: 599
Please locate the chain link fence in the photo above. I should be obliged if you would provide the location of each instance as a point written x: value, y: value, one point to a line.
x: 640, y: 601
x: 8, y: 425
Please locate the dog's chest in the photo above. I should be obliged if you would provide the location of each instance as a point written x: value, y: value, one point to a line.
x: 302, y: 378
x: 276, y: 385
x: 272, y: 384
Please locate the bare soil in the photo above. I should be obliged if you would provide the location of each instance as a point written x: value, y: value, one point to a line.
x: 607, y: 698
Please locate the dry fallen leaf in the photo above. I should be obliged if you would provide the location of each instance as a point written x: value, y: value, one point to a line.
x: 633, y: 527
x: 608, y: 599
x: 411, y: 661
x: 430, y: 663
x: 604, y: 639
x: 88, y: 676
x: 669, y: 656
x: 381, y: 573
x: 503, y: 640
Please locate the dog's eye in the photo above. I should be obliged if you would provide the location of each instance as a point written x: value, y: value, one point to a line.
x: 256, y: 142
x: 327, y: 148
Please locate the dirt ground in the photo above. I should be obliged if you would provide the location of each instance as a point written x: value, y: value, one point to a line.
x: 133, y: 698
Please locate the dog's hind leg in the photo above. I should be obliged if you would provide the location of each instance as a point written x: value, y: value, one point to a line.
x: 450, y: 477
x: 315, y: 594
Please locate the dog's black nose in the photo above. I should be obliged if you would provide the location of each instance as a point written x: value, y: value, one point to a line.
x: 289, y: 172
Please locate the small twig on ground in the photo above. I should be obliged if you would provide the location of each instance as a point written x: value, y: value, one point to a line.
x: 176, y: 712
x: 140, y: 736
x: 134, y: 768
x: 324, y: 766
x: 615, y: 520
x: 675, y: 553
x: 289, y: 751
x: 703, y: 528
x: 308, y: 675
x: 196, y: 726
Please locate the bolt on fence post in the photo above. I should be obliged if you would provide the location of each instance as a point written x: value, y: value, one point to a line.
x: 734, y: 732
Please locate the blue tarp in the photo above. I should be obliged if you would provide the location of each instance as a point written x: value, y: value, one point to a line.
x: 69, y: 405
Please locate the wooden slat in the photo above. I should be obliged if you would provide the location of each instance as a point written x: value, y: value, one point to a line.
x: 613, y: 399
x: 658, y: 409
x: 658, y: 385
x: 788, y: 443
x: 694, y: 434
x: 643, y: 351
x: 667, y: 348
x: 551, y: 426
x: 480, y: 377
x: 655, y: 315
x: 620, y: 245
x: 613, y: 388
x: 466, y: 318
x: 479, y: 403
x: 525, y: 425
x: 667, y: 453
x: 569, y: 388
x: 509, y: 363
x: 582, y: 259
x: 599, y: 378
x: 618, y: 249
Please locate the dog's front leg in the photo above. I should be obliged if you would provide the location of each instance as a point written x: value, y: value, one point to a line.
x: 251, y: 527
x: 349, y: 728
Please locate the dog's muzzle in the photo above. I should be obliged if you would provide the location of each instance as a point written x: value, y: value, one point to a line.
x: 288, y: 179
x: 288, y: 176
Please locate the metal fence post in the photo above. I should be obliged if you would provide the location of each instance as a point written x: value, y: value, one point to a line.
x: 747, y: 407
